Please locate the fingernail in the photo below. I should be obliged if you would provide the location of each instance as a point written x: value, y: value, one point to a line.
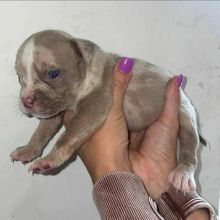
x: 180, y: 80
x: 125, y: 65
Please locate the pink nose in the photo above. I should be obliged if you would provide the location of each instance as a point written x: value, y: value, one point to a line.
x: 28, y: 101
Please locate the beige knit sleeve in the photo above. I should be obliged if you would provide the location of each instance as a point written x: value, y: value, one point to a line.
x: 175, y: 205
x: 122, y: 196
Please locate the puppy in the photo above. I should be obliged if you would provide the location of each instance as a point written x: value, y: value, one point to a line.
x: 58, y: 72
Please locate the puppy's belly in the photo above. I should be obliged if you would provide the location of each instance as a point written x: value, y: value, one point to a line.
x: 145, y: 95
x: 140, y: 111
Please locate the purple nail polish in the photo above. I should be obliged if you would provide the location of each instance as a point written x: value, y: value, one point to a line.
x: 125, y: 65
x: 180, y: 80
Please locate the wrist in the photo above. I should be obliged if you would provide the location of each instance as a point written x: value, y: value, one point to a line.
x: 99, y: 166
x: 200, y: 214
x: 154, y: 175
x: 106, y: 168
x: 103, y: 158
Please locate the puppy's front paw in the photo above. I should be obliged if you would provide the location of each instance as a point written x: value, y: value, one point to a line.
x: 42, y: 165
x: 182, y: 179
x: 25, y: 154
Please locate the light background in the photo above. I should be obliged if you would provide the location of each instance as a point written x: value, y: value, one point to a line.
x: 183, y: 37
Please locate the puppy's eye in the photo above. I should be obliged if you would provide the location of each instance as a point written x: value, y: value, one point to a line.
x: 52, y: 74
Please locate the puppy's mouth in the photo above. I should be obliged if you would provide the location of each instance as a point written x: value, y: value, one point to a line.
x: 42, y: 111
x: 39, y: 116
x: 30, y: 112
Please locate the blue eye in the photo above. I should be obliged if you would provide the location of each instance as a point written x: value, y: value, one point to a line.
x: 53, y: 74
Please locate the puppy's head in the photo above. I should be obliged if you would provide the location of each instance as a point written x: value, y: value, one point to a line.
x: 51, y: 67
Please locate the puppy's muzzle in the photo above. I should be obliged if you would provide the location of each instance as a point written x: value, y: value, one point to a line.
x: 28, y: 101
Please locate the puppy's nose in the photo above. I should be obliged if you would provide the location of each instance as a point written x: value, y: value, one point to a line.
x: 28, y: 101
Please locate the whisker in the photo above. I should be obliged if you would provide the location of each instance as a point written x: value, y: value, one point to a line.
x: 19, y: 114
x: 17, y: 109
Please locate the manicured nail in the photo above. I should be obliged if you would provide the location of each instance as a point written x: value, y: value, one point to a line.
x: 180, y: 80
x: 125, y: 65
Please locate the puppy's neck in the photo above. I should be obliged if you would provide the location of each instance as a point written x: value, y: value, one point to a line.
x: 94, y: 77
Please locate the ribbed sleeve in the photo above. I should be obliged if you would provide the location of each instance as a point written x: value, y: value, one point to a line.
x: 121, y: 195
x: 176, y: 205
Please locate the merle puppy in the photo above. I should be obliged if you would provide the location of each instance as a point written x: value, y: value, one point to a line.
x: 58, y: 72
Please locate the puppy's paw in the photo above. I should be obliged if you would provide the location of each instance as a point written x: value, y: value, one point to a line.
x: 25, y: 154
x: 42, y: 165
x: 182, y: 179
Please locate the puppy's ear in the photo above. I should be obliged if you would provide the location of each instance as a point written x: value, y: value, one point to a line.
x: 84, y: 48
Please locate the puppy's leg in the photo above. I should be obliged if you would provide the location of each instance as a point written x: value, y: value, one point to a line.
x: 183, y: 176
x: 82, y: 126
x: 46, y: 129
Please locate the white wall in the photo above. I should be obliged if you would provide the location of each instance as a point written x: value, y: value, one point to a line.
x: 180, y: 36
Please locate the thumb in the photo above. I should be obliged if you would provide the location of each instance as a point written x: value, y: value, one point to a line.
x: 121, y: 78
x: 172, y: 103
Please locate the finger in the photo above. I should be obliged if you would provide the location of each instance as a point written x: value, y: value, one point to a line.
x: 121, y: 78
x: 172, y: 103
